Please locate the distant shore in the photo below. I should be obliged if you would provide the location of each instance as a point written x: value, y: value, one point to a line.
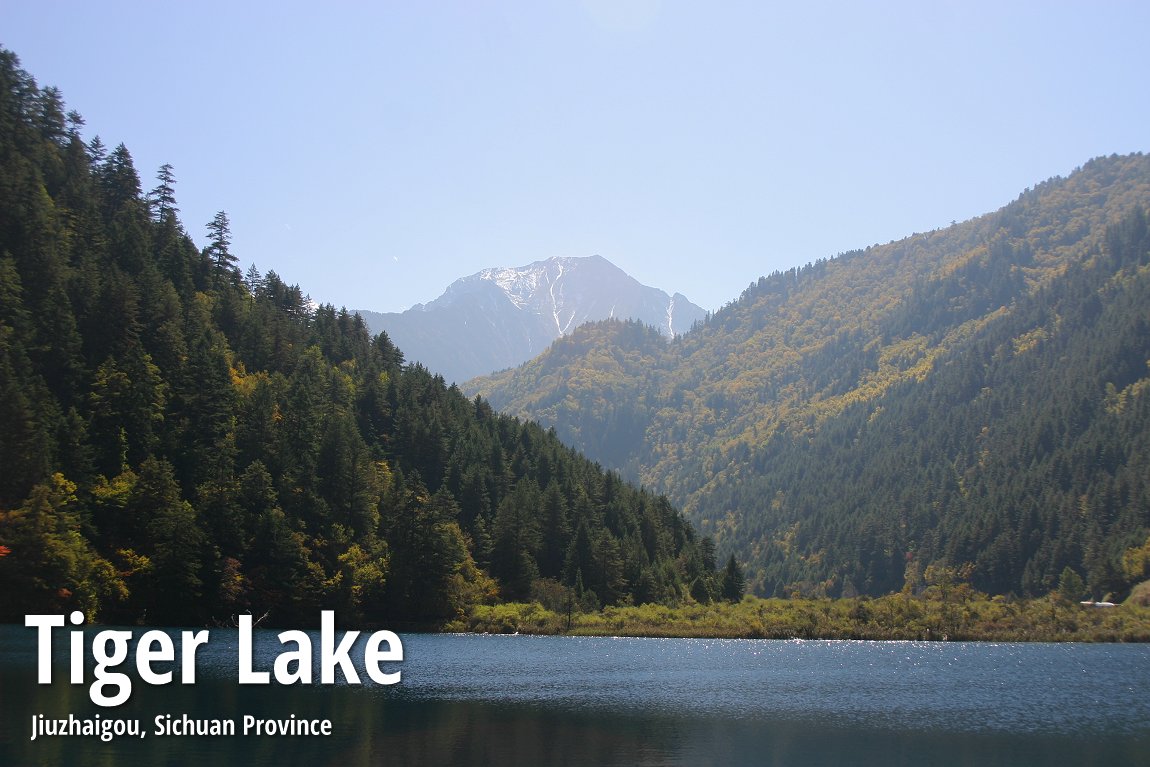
x: 893, y: 617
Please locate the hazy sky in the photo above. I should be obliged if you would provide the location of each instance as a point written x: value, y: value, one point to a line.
x: 372, y: 152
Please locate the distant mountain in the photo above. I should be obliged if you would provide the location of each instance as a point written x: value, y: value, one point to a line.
x: 972, y: 402
x: 502, y: 317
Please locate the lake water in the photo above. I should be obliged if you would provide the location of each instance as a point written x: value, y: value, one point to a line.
x: 502, y: 700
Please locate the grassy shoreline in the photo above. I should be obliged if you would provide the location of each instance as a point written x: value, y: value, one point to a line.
x: 894, y: 617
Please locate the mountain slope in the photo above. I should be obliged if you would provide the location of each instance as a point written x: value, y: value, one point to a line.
x: 179, y: 444
x: 829, y: 425
x: 498, y: 318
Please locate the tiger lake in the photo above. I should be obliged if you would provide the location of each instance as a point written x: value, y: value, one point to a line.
x: 467, y: 699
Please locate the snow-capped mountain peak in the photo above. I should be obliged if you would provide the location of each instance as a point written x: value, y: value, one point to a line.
x: 503, y: 316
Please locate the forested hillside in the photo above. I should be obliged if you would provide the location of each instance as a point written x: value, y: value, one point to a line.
x: 965, y: 404
x: 183, y: 442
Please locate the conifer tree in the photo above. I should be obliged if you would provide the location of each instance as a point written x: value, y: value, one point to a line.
x: 733, y: 584
x: 218, y: 252
x: 162, y: 198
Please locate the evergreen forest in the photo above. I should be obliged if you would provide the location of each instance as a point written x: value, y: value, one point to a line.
x: 185, y: 440
x: 965, y: 406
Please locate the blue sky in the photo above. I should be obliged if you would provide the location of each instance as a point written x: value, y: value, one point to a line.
x: 374, y: 152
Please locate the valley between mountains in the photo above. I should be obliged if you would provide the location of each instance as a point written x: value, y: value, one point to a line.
x: 184, y: 440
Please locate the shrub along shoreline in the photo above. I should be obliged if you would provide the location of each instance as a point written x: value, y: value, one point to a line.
x: 893, y: 617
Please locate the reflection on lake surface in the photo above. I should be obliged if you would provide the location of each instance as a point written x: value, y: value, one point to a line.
x: 557, y: 700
